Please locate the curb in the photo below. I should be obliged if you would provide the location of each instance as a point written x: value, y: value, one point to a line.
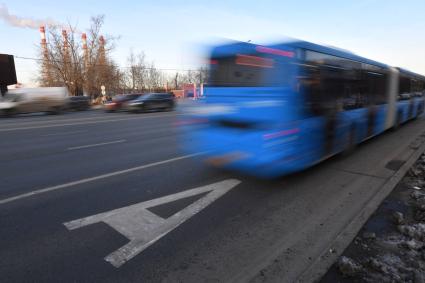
x: 321, y: 265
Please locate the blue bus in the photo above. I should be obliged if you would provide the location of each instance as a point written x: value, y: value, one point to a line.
x: 272, y: 110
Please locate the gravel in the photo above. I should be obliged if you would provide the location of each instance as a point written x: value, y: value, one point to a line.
x: 348, y: 267
x: 391, y: 245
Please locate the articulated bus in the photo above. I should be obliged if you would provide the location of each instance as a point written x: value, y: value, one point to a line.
x: 273, y: 110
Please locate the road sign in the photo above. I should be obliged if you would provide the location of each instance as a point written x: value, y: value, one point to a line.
x: 142, y: 227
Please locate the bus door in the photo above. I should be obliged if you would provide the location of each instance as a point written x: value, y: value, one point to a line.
x: 374, y: 80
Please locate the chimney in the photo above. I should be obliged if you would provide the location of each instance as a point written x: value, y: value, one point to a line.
x: 45, y: 64
x: 43, y: 34
x: 87, y: 83
x: 66, y: 55
x: 85, y: 50
x: 84, y: 40
x: 102, y: 41
x: 43, y: 41
x: 102, y: 55
x: 65, y: 40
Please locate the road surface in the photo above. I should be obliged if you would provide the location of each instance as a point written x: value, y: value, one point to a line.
x: 110, y: 197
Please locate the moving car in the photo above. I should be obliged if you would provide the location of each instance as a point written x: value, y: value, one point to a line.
x: 27, y: 100
x: 120, y: 101
x: 152, y: 102
x: 78, y: 103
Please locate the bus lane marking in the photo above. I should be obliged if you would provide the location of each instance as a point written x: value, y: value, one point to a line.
x: 142, y: 227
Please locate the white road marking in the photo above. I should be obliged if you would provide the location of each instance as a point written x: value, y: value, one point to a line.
x: 82, y: 123
x: 56, y: 120
x: 91, y: 179
x: 64, y: 133
x: 94, y: 145
x: 65, y: 118
x: 142, y: 227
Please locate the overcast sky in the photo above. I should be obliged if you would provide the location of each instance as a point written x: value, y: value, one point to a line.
x: 172, y: 32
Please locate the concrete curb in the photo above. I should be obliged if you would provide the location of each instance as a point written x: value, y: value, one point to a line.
x: 321, y: 265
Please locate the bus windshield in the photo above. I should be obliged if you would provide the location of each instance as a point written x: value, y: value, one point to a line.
x: 243, y: 71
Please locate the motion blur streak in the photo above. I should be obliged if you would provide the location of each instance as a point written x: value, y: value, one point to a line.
x: 270, y: 111
x: 254, y: 61
x: 281, y: 133
x: 263, y: 49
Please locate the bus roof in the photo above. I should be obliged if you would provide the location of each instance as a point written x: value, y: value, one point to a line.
x: 410, y: 73
x: 246, y: 48
x: 232, y: 48
x: 331, y: 51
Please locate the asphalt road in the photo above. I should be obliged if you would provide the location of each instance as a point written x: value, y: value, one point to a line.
x: 57, y: 170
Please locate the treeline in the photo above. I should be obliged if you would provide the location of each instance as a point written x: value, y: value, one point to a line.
x: 142, y: 75
x: 83, y: 63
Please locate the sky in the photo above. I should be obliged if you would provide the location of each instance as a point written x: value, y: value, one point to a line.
x: 175, y: 34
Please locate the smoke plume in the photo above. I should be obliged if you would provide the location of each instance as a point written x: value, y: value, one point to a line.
x: 16, y: 21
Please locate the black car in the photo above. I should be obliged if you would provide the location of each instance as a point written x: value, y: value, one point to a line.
x: 152, y: 102
x: 78, y: 103
x: 120, y: 101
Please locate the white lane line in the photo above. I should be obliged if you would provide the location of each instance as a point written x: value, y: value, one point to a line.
x: 83, y: 123
x: 95, y: 144
x: 95, y: 178
x: 75, y: 119
x: 142, y: 227
x: 64, y: 133
x: 56, y: 120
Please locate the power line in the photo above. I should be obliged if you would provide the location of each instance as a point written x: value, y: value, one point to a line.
x: 107, y: 65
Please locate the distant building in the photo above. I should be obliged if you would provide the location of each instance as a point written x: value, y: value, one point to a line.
x: 193, y: 91
x: 178, y: 93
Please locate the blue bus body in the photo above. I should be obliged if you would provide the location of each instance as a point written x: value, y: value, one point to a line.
x: 273, y: 110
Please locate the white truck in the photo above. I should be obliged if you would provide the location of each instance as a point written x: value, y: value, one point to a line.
x: 27, y: 100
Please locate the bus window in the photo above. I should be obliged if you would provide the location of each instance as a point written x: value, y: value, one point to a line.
x: 376, y: 87
x: 247, y: 71
x: 404, y: 85
x: 341, y: 84
x: 329, y: 83
x: 225, y: 72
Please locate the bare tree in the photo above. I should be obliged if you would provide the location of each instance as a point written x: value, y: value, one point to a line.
x: 137, y: 72
x: 176, y: 80
x: 76, y: 67
x: 154, y: 79
x: 199, y: 76
x: 64, y: 62
x: 100, y: 68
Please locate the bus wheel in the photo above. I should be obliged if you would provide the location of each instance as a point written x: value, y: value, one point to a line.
x: 352, y: 142
x: 398, y: 121
x: 418, y: 112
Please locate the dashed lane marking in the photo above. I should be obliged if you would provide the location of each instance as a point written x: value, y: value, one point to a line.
x: 64, y: 133
x: 94, y: 145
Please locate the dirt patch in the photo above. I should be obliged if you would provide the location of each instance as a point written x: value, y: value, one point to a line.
x: 391, y: 245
